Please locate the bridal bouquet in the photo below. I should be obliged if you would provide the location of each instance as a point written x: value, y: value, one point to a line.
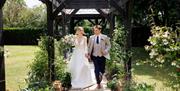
x: 69, y: 39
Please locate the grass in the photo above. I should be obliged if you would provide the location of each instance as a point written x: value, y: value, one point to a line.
x: 16, y: 63
x: 158, y: 77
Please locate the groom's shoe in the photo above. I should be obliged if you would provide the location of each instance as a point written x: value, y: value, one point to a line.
x: 99, y: 86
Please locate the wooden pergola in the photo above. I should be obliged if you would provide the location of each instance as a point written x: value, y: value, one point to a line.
x: 57, y: 16
x: 2, y: 65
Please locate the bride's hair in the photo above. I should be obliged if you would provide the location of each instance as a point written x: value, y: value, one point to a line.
x: 79, y: 28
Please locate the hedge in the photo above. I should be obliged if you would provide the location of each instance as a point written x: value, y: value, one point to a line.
x: 21, y: 36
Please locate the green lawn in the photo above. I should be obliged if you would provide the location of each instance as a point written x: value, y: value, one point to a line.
x: 148, y: 74
x: 17, y: 61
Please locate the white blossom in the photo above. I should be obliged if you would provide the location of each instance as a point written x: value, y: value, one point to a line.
x: 165, y: 41
x: 166, y: 34
x: 153, y: 53
x: 69, y: 39
x: 173, y: 63
x: 147, y: 47
x: 137, y: 64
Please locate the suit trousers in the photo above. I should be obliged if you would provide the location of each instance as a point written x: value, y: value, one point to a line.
x: 99, y: 64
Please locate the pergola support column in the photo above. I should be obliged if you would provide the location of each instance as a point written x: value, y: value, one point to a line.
x: 50, y: 49
x: 112, y: 24
x: 2, y: 64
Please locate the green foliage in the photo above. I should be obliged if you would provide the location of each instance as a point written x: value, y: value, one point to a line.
x: 66, y: 80
x: 38, y: 75
x: 119, y: 53
x: 17, y: 14
x: 61, y: 71
x: 159, y: 12
x: 112, y: 84
x: 131, y: 86
x: 118, y: 50
x: 165, y: 50
x: 165, y: 46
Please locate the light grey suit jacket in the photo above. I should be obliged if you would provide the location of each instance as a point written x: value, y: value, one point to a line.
x: 97, y: 50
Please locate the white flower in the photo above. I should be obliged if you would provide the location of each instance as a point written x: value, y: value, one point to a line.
x: 160, y: 59
x: 167, y: 49
x: 153, y: 53
x: 153, y: 43
x: 157, y: 28
x: 166, y: 34
x: 156, y: 35
x: 137, y: 64
x: 173, y: 63
x: 147, y: 47
x: 165, y: 41
x: 69, y: 39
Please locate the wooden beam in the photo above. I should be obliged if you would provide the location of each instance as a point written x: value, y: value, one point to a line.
x: 107, y: 16
x: 72, y: 26
x: 114, y: 4
x: 60, y: 7
x: 91, y: 21
x: 86, y: 4
x: 72, y: 14
x: 50, y: 33
x: 102, y: 13
x: 77, y: 21
x: 2, y: 64
x: 43, y: 1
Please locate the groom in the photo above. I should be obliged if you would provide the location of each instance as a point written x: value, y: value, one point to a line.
x: 98, y: 49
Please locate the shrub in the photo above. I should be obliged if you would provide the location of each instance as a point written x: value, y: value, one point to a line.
x: 132, y: 86
x: 38, y: 74
x: 165, y: 50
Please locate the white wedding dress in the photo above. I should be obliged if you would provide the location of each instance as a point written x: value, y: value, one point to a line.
x: 79, y: 67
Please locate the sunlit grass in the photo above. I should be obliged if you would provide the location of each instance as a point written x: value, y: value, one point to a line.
x: 144, y: 73
x: 16, y: 62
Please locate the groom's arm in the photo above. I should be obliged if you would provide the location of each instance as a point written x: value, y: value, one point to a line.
x: 108, y: 44
x: 89, y: 46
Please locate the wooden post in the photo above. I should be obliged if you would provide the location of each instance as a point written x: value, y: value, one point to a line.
x: 96, y: 21
x: 125, y: 14
x: 50, y: 33
x: 2, y: 64
x: 127, y: 64
x: 72, y: 26
x: 128, y: 27
x: 112, y: 24
x: 63, y: 23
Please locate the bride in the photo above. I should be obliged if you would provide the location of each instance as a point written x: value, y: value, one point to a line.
x: 79, y: 66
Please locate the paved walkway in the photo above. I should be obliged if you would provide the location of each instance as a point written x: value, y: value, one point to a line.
x: 93, y: 87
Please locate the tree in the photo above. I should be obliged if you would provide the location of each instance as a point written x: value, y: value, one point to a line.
x: 160, y: 12
x: 12, y: 13
x: 17, y: 14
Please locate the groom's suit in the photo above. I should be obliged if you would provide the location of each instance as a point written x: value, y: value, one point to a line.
x: 96, y: 47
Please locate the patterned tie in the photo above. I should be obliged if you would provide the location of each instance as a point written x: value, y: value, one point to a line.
x: 97, y: 40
